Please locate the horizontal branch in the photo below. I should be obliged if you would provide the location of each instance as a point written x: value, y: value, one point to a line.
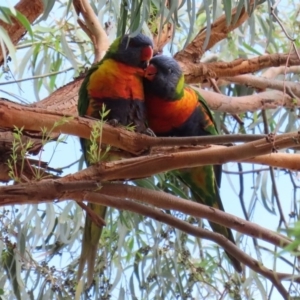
x: 264, y: 83
x: 61, y: 189
x: 34, y: 119
x: 145, y: 166
x: 48, y: 190
x: 265, y: 100
x: 199, y: 72
x: 275, y: 71
x: 278, y: 160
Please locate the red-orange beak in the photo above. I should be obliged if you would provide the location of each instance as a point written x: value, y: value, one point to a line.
x: 150, y: 72
x: 147, y: 53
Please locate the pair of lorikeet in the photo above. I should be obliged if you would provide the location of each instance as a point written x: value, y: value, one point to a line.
x: 137, y: 94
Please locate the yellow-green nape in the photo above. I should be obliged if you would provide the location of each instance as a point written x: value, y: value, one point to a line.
x: 180, y: 85
x: 115, y: 45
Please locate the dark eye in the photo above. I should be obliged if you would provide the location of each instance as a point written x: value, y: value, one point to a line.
x: 170, y: 71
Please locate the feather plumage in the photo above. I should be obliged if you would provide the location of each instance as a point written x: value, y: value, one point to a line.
x: 175, y: 109
x: 115, y: 81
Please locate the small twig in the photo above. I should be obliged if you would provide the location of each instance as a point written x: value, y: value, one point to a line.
x: 276, y: 195
x: 217, y: 90
x: 36, y: 77
x: 213, y: 83
x: 265, y: 121
x: 292, y: 265
x: 245, y: 172
x: 242, y: 201
x: 294, y: 213
x: 271, y: 169
x: 93, y: 216
x: 281, y: 25
x: 67, y: 166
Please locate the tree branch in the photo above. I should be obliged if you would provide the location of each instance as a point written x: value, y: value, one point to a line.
x: 264, y: 83
x: 199, y: 72
x: 275, y: 71
x: 218, y: 31
x: 145, y: 166
x: 219, y: 239
x: 31, y: 9
x: 48, y: 190
x: 92, y: 28
x: 278, y: 160
x: 33, y: 119
x: 63, y: 189
x: 135, y: 143
x: 234, y: 105
x: 64, y: 100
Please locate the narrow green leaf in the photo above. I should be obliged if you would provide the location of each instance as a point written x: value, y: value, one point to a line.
x: 67, y: 51
x: 6, y: 42
x: 251, y: 49
x: 121, y: 293
x: 260, y: 285
x: 24, y: 21
x: 208, y: 24
x: 191, y: 9
x: 227, y: 8
x: 239, y: 8
x: 5, y: 15
x: 172, y: 8
x: 48, y: 5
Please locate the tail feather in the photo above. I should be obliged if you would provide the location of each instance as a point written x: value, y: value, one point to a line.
x: 204, y: 188
x: 90, y: 242
x: 92, y: 232
x: 236, y: 264
x: 228, y: 234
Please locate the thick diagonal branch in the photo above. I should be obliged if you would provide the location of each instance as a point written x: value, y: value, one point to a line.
x: 218, y: 31
x: 92, y: 28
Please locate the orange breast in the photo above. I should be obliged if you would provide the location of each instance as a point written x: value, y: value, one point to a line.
x: 164, y: 115
x: 116, y: 80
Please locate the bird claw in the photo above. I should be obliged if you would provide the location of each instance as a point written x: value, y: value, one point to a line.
x: 113, y: 122
x: 149, y: 132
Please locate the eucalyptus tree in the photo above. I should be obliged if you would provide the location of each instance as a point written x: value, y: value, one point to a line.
x: 242, y: 56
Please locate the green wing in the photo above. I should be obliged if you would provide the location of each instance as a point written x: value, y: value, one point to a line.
x: 204, y: 189
x: 204, y: 181
x: 92, y: 232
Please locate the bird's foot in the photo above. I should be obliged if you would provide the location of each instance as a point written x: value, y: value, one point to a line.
x: 113, y: 122
x: 149, y: 131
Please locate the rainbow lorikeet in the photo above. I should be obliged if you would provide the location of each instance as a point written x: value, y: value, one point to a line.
x: 175, y: 109
x: 116, y: 82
